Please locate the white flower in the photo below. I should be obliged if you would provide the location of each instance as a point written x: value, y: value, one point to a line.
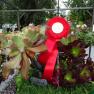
x: 84, y: 26
x: 72, y: 33
x: 31, y: 24
x: 47, y: 19
x: 78, y: 26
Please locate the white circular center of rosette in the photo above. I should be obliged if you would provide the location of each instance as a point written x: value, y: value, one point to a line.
x: 57, y: 27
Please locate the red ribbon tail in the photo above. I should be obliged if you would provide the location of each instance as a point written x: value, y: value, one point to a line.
x: 50, y: 44
x: 50, y: 65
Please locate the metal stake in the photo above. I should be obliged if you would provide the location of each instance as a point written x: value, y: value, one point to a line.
x: 18, y: 20
x: 58, y: 9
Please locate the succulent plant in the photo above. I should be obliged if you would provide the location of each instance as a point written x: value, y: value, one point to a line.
x: 75, y: 51
x: 85, y: 74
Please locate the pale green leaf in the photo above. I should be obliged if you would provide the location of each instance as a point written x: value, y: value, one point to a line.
x: 19, y: 42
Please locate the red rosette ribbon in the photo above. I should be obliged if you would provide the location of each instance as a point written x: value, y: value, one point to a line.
x: 57, y: 28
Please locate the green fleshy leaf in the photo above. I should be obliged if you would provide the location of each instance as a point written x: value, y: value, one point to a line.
x: 42, y: 29
x: 68, y: 76
x: 65, y: 41
x: 32, y: 35
x: 7, y: 43
x: 1, y: 37
x: 14, y: 52
x: 19, y: 42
